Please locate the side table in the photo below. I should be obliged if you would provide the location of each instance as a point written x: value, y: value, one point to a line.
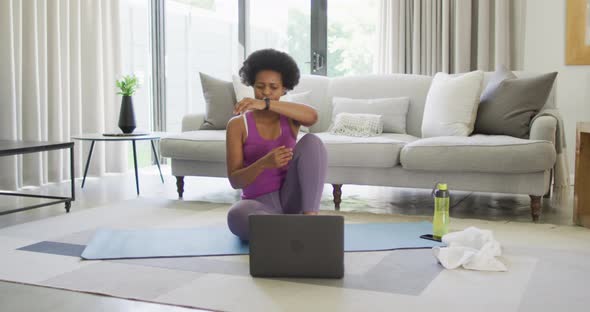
x: 582, y: 178
x: 10, y: 148
x: 94, y: 137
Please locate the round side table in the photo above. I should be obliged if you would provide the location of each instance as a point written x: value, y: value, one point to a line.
x: 94, y: 137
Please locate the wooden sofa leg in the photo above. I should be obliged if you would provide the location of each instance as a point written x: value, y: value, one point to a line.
x: 337, y: 192
x: 535, y: 207
x: 180, y: 186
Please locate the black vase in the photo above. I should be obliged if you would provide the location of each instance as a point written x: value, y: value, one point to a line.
x: 126, y: 115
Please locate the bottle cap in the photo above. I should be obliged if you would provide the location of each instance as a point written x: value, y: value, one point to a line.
x: 442, y: 186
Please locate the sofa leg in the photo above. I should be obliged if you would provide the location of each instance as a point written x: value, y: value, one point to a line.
x: 337, y: 192
x: 180, y: 186
x: 535, y: 207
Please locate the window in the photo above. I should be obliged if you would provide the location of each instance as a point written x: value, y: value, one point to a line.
x: 201, y: 36
x: 135, y: 38
x: 352, y: 36
x: 137, y: 59
x: 281, y: 25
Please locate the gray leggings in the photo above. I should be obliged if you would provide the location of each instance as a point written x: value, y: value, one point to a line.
x: 300, y: 192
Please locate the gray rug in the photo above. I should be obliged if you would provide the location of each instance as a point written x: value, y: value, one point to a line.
x: 539, y: 257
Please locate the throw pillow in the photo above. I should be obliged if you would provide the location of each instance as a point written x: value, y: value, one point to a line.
x: 509, y: 104
x: 451, y: 104
x: 357, y: 125
x: 220, y: 99
x: 393, y: 110
x: 300, y: 98
x: 242, y: 91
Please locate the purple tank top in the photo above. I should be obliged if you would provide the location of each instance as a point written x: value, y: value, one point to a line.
x: 256, y: 147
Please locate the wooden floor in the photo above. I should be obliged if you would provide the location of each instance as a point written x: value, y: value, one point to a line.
x: 116, y: 187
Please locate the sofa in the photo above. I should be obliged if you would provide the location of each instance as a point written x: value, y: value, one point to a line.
x: 479, y: 163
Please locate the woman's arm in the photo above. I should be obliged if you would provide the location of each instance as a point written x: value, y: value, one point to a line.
x: 239, y: 177
x: 305, y: 115
x: 301, y: 113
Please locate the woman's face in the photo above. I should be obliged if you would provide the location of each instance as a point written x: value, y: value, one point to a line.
x: 268, y: 84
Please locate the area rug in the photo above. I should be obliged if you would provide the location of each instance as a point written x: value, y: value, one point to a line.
x: 548, y: 267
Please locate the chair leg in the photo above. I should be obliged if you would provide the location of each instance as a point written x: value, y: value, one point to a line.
x: 535, y: 207
x: 337, y: 192
x: 180, y: 186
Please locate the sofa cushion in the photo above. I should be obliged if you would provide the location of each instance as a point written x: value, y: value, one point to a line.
x: 479, y: 153
x: 379, y: 86
x: 358, y: 125
x: 393, y: 110
x: 201, y: 145
x: 242, y: 91
x: 509, y: 104
x: 451, y: 104
x: 220, y: 99
x: 204, y: 145
x: 377, y: 152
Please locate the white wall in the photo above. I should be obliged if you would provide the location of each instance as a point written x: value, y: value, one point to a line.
x: 545, y: 51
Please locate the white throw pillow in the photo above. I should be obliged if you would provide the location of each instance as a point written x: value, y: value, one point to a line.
x: 451, y: 104
x: 357, y: 125
x: 393, y: 110
x: 300, y: 98
x: 242, y: 91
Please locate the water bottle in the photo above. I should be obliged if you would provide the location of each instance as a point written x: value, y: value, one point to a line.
x: 440, y: 222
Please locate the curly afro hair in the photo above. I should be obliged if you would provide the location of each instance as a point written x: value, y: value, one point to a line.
x: 270, y: 59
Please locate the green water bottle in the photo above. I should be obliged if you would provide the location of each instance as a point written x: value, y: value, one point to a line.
x: 440, y: 222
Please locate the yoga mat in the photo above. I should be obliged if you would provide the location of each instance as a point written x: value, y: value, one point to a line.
x: 218, y: 241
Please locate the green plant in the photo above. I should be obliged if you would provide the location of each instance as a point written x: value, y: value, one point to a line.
x: 128, y: 84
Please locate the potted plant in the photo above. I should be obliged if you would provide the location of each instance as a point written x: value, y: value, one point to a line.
x: 127, y: 86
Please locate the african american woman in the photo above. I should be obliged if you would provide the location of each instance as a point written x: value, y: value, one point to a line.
x: 277, y: 173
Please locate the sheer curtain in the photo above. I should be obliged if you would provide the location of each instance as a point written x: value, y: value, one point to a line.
x: 430, y: 36
x: 58, y: 63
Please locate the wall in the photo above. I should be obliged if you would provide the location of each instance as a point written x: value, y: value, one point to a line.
x: 545, y: 51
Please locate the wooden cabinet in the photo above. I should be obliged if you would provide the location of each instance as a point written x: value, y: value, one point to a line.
x: 582, y: 182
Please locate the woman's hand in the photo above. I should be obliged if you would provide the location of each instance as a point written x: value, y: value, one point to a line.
x: 249, y: 104
x: 278, y: 157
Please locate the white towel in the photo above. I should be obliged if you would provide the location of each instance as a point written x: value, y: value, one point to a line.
x: 472, y: 248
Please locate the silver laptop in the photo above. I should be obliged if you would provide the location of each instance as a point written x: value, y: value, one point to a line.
x: 296, y: 246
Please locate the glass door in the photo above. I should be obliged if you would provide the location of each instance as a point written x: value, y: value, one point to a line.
x: 137, y: 59
x: 281, y: 25
x: 352, y: 37
x: 201, y: 36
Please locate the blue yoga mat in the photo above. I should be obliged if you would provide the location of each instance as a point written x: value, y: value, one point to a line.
x: 218, y: 241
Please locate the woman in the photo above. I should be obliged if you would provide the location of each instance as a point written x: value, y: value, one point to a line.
x: 276, y: 175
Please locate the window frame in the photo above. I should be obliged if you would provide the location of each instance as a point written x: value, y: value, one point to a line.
x: 318, y: 51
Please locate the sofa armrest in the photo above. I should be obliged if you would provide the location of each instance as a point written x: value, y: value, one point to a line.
x: 544, y: 128
x: 192, y: 122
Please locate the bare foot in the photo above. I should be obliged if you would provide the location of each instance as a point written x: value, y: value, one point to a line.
x: 311, y: 213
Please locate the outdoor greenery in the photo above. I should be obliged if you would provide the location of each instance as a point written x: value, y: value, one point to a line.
x: 349, y: 44
x: 128, y: 85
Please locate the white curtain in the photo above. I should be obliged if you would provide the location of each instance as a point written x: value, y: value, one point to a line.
x: 430, y: 36
x: 58, y: 63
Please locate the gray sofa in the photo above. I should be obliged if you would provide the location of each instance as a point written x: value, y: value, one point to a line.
x: 481, y: 163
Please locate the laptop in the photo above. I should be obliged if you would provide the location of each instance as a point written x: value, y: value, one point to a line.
x: 296, y: 246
